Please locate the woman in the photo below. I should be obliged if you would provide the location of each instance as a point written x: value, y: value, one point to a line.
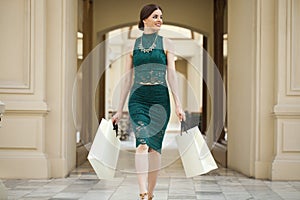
x: 149, y: 63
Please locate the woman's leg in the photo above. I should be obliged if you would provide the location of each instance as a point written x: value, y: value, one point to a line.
x: 141, y: 165
x: 154, y: 167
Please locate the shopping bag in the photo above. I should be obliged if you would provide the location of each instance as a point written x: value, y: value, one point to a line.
x: 104, y: 152
x: 194, y: 153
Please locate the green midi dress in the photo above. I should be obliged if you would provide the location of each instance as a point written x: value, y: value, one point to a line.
x: 149, y: 102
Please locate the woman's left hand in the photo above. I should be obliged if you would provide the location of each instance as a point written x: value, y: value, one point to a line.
x: 180, y: 113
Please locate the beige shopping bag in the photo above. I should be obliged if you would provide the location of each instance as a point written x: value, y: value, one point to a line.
x: 104, y: 152
x: 194, y: 153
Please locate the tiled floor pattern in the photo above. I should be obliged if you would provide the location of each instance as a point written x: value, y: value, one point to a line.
x: 220, y: 184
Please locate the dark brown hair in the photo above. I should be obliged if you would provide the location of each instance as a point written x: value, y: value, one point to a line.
x: 146, y: 11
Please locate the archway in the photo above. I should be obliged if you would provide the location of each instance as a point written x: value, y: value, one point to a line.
x: 102, y: 27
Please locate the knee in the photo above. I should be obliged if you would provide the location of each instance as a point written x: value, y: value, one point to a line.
x: 142, y: 148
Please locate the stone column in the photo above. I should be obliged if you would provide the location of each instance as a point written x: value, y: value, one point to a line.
x: 61, y: 62
x: 219, y: 109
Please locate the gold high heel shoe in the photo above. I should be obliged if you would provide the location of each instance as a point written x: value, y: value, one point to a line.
x: 150, y: 198
x: 144, y: 195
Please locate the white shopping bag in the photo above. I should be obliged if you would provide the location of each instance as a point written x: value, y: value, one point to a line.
x: 194, y: 153
x: 104, y: 152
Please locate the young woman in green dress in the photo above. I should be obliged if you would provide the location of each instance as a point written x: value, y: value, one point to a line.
x: 150, y: 70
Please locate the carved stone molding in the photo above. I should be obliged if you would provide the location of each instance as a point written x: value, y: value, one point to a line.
x: 293, y: 28
x: 17, y: 36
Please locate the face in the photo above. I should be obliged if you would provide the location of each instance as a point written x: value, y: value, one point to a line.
x: 154, y: 21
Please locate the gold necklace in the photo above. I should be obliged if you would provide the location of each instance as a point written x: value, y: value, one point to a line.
x: 143, y: 49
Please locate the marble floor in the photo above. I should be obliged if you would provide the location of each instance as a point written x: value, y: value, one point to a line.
x: 220, y: 184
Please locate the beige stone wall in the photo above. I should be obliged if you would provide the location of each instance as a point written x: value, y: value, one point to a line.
x: 38, y: 46
x: 263, y: 93
x: 286, y: 162
x: 38, y: 65
x: 22, y: 144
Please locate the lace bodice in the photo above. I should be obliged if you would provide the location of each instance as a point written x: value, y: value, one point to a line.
x: 149, y: 67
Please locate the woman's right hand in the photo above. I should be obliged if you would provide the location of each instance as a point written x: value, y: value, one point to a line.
x: 116, y: 117
x: 180, y: 113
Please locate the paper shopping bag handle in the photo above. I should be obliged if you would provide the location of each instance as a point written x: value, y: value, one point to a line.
x: 116, y: 128
x: 184, y: 127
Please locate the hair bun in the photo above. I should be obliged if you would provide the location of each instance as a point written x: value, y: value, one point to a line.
x: 141, y: 25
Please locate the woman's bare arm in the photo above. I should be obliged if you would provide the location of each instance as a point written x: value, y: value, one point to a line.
x: 126, y: 85
x: 172, y: 77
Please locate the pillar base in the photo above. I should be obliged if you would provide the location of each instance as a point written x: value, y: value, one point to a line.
x: 24, y: 165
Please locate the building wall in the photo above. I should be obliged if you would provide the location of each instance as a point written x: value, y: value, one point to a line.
x: 263, y: 93
x: 38, y: 65
x: 286, y: 163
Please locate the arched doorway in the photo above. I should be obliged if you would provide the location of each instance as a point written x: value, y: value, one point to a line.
x: 100, y: 35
